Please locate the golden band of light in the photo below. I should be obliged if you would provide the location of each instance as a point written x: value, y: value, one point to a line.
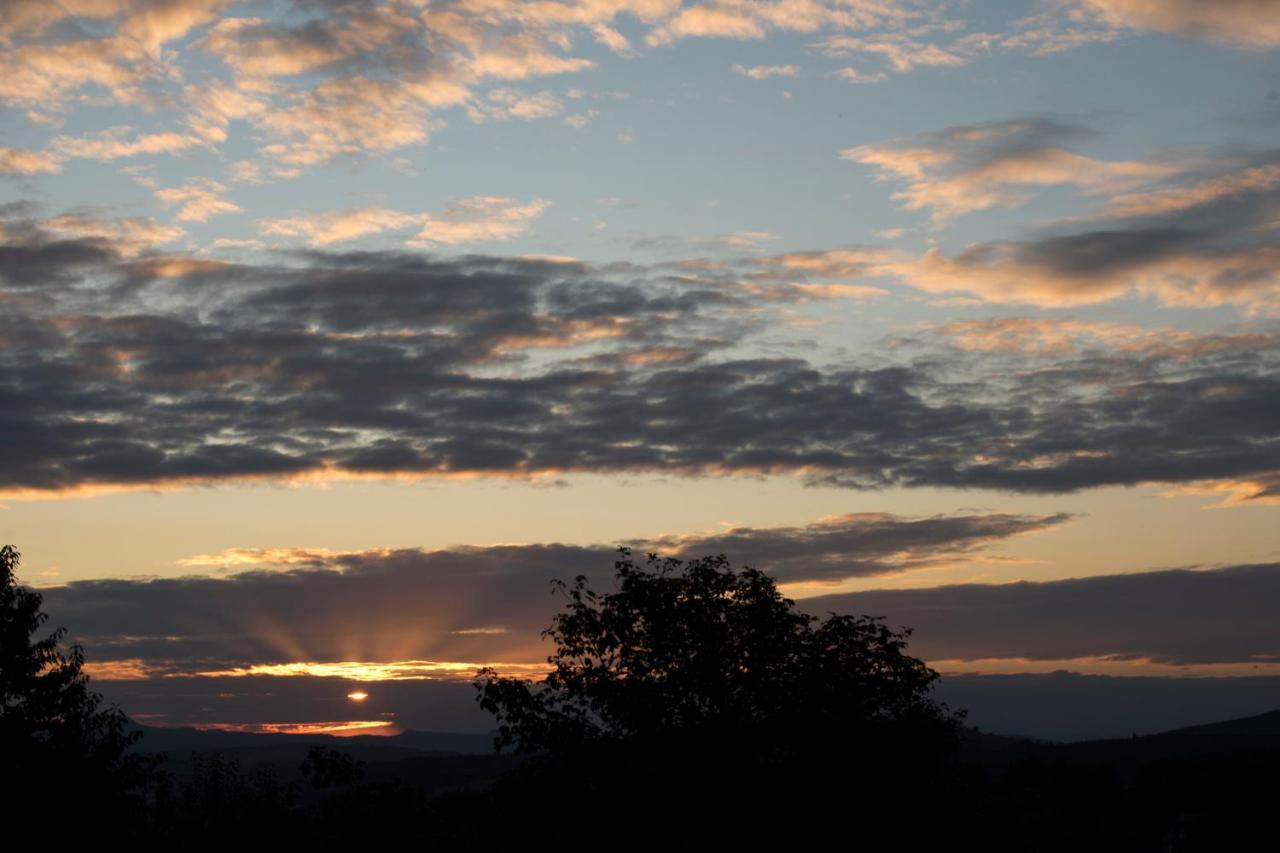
x: 340, y: 728
x: 412, y: 670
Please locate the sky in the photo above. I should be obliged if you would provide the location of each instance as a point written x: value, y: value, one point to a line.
x: 335, y: 331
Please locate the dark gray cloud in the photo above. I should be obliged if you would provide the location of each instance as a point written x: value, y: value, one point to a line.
x: 462, y: 604
x: 1203, y: 236
x: 857, y: 545
x: 150, y: 369
x: 1226, y: 615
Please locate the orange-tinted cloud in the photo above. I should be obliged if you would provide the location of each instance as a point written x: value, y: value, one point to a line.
x: 20, y: 161
x: 962, y: 170
x: 1250, y: 24
x: 468, y: 220
x: 117, y: 142
x: 198, y: 200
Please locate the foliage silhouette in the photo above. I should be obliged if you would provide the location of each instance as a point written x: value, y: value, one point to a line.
x: 704, y: 683
x: 60, y: 744
x: 328, y: 768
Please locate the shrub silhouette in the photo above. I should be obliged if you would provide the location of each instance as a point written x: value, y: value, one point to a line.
x: 65, y: 755
x: 703, y: 685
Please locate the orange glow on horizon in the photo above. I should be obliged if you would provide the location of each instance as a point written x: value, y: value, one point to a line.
x: 411, y: 670
x: 1103, y: 666
x: 137, y: 669
x: 340, y: 728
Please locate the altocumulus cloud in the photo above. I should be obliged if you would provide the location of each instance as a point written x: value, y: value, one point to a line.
x: 367, y: 77
x: 1186, y: 234
x: 374, y: 77
x: 125, y: 367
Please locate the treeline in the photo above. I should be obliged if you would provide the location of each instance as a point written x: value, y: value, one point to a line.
x: 1213, y: 803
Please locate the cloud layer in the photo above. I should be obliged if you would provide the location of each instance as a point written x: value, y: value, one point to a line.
x: 373, y: 77
x: 1180, y: 617
x: 290, y: 606
x: 132, y: 368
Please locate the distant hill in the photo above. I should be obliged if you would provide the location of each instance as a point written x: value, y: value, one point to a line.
x: 378, y: 747
x: 1247, y: 735
x: 1262, y: 726
x: 443, y: 760
x: 430, y: 761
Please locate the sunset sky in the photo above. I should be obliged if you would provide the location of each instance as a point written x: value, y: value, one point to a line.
x: 334, y: 331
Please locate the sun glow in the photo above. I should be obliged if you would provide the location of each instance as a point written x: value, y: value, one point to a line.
x: 338, y: 728
x: 358, y: 696
x: 410, y: 670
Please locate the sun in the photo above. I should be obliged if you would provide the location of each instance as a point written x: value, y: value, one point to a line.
x: 358, y: 696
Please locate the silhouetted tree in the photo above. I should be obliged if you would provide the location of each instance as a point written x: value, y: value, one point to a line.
x: 329, y: 768
x: 702, y: 685
x: 65, y: 755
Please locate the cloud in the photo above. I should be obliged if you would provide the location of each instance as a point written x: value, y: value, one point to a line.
x: 198, y: 200
x: 1172, y: 265
x: 1244, y: 181
x: 970, y: 168
x: 503, y: 104
x: 127, y: 235
x: 259, y: 703
x: 179, y: 369
x: 336, y: 226
x: 374, y: 77
x: 56, y: 49
x: 1190, y: 264
x: 901, y: 52
x: 754, y: 19
x: 1200, y: 235
x: 763, y: 72
x: 345, y: 117
x: 293, y: 606
x: 704, y: 21
x: 853, y: 75
x: 20, y: 161
x: 245, y: 172
x: 468, y: 220
x: 1059, y: 706
x: 1249, y: 24
x: 1180, y: 617
x: 860, y: 544
x: 214, y: 104
x: 1039, y: 337
x: 114, y: 143
x: 45, y: 75
x: 257, y: 47
x: 1262, y: 488
x: 480, y: 218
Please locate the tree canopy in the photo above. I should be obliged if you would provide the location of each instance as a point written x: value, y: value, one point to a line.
x: 59, y: 742
x: 705, y: 680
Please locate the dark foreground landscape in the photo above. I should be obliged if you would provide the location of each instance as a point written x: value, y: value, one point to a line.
x: 691, y: 707
x: 1202, y: 788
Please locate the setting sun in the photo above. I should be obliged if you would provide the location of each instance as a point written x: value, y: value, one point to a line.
x: 358, y: 696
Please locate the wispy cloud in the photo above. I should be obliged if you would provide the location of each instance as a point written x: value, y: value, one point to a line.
x: 764, y: 72
x: 971, y: 168
x: 1250, y: 24
x: 199, y: 200
x: 469, y: 220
